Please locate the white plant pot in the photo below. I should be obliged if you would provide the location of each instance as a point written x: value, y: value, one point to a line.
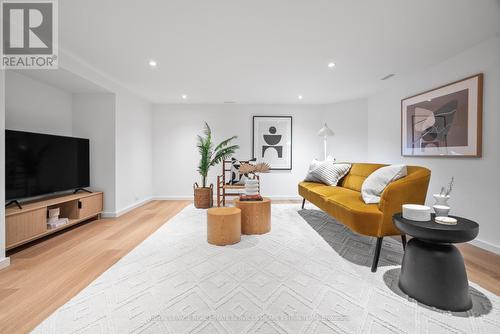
x: 441, y: 210
x: 441, y: 199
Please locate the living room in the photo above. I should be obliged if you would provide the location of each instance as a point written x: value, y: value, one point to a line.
x: 328, y: 104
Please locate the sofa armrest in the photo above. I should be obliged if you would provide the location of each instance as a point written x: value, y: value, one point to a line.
x: 410, y: 189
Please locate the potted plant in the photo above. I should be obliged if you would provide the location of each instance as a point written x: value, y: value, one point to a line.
x: 210, y: 156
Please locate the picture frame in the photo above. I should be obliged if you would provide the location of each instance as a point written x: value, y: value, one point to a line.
x: 445, y: 121
x: 272, y: 141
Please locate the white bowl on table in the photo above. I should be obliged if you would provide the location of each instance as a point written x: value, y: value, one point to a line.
x: 416, y: 212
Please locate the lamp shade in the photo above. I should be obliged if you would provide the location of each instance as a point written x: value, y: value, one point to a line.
x: 325, y: 131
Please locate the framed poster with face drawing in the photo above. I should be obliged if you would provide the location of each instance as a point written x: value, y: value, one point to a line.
x: 445, y: 121
x: 272, y: 141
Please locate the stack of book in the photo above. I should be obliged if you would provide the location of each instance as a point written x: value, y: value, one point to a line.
x: 250, y: 198
x: 55, y: 222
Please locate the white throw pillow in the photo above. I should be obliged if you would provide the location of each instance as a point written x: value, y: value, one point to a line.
x: 309, y: 177
x: 329, y: 172
x: 314, y: 164
x: 375, y: 183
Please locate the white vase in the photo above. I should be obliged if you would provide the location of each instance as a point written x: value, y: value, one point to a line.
x: 441, y: 210
x: 441, y: 199
x: 251, y: 187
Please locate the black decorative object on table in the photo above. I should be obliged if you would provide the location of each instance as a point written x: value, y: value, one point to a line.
x: 433, y: 270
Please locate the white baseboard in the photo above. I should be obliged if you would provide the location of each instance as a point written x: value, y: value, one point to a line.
x: 173, y: 198
x: 190, y: 197
x: 129, y: 208
x: 486, y: 246
x: 4, y: 263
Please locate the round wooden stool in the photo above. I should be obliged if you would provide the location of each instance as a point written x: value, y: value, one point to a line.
x: 255, y: 216
x: 223, y: 226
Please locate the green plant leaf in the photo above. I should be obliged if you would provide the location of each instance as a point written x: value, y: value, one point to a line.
x: 224, y: 143
x: 208, y: 155
x: 223, y: 154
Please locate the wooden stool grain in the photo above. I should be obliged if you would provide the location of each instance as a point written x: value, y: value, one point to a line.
x: 223, y: 226
x: 255, y: 216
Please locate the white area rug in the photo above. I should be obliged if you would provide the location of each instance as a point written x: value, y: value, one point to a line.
x: 287, y: 281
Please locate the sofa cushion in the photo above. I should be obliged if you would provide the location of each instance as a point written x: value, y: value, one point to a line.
x: 357, y: 175
x: 323, y: 192
x: 305, y: 186
x: 318, y: 193
x: 348, y: 207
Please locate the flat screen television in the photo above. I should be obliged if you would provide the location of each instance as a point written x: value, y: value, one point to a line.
x: 39, y: 164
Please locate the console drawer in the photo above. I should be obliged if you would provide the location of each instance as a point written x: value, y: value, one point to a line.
x: 90, y: 206
x: 25, y: 225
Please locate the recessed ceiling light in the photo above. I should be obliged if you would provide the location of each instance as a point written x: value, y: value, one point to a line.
x: 331, y: 64
x: 300, y: 97
x: 184, y: 96
x: 153, y: 63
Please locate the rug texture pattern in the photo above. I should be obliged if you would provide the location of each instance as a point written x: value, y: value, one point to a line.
x: 308, y: 275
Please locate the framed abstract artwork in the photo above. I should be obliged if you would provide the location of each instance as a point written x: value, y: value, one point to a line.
x: 272, y: 141
x: 445, y: 121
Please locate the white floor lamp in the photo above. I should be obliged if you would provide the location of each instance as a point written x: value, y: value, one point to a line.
x: 325, y: 132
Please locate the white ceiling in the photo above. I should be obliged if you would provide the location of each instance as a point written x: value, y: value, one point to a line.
x: 269, y: 51
x: 65, y: 80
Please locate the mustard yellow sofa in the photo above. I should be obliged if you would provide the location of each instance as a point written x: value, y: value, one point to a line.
x: 344, y: 202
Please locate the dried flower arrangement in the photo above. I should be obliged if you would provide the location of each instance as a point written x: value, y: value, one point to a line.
x: 253, y: 170
x: 447, y: 191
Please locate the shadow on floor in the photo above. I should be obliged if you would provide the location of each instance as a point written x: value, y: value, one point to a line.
x: 481, y: 305
x: 359, y: 250
x: 353, y: 247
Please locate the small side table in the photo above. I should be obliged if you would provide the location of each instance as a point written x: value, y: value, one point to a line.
x: 255, y: 216
x: 223, y: 226
x: 433, y: 270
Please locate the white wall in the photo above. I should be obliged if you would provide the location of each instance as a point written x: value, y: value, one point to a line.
x: 3, y: 261
x: 34, y: 106
x: 134, y: 148
x: 349, y: 122
x: 477, y: 181
x: 126, y: 190
x: 94, y: 118
x: 121, y: 128
x: 175, y: 156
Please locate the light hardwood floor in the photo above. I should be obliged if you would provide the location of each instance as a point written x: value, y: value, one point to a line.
x: 45, y: 275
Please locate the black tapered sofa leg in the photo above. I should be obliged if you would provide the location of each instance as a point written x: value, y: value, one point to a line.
x: 403, y: 240
x: 303, y: 202
x: 376, y: 256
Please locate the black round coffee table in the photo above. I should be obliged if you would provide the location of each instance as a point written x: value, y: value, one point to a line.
x: 433, y: 270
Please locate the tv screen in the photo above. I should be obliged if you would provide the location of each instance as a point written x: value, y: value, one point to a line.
x: 38, y: 164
